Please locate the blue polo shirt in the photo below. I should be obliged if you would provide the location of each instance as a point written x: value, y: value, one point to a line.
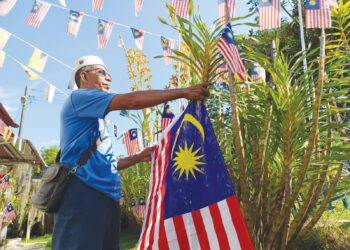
x: 81, y: 124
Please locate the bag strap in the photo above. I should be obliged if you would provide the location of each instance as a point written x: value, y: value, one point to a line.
x: 90, y: 151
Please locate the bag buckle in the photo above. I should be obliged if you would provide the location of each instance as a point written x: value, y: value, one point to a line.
x: 73, y: 170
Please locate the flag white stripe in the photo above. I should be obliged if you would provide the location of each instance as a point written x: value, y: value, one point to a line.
x: 228, y: 225
x: 153, y: 198
x: 171, y: 234
x: 209, y: 227
x: 191, y: 231
x: 160, y: 200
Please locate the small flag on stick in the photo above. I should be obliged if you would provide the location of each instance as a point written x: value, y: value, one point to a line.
x: 131, y: 141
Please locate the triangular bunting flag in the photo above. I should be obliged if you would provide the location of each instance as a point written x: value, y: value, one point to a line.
x: 138, y: 6
x: 38, y: 60
x: 31, y: 74
x: 49, y: 93
x: 4, y: 37
x: 2, y: 58
x: 6, y: 6
x: 37, y: 13
x: 97, y: 5
x: 75, y: 19
x: 138, y: 37
x: 104, y: 30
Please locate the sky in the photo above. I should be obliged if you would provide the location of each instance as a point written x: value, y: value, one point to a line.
x: 41, y: 122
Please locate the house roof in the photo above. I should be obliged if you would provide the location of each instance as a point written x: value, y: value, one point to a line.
x: 11, y: 154
x: 6, y: 118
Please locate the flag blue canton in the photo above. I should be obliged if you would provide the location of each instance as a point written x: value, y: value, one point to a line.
x: 167, y: 112
x: 133, y: 133
x: 312, y: 4
x: 136, y: 33
x: 101, y: 26
x: 265, y: 3
x: 228, y: 34
x: 222, y: 1
x: 165, y: 43
x: 196, y: 175
x: 9, y: 207
x: 74, y: 15
x: 36, y: 7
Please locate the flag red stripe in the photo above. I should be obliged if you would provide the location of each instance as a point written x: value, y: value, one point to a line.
x: 181, y: 232
x: 200, y: 230
x: 238, y: 222
x: 148, y: 209
x: 219, y: 227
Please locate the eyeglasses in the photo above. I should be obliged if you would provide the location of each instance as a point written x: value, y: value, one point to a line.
x: 100, y: 72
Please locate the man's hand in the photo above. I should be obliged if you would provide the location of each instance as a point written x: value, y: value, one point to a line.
x: 146, y: 154
x: 197, y: 92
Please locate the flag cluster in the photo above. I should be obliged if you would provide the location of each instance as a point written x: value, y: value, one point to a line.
x: 229, y: 50
x: 192, y: 203
x: 131, y: 141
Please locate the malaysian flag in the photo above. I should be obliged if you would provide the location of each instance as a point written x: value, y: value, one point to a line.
x: 131, y: 141
x: 231, y: 5
x: 5, y: 182
x: 317, y: 14
x: 75, y: 19
x: 229, y: 50
x: 38, y: 13
x: 104, y: 30
x: 269, y: 14
x: 257, y: 73
x: 222, y: 70
x: 167, y: 117
x: 97, y: 5
x: 181, y: 7
x: 9, y: 213
x: 139, y: 36
x: 121, y: 43
x: 192, y: 203
x: 138, y: 6
x: 6, y: 6
x: 167, y: 46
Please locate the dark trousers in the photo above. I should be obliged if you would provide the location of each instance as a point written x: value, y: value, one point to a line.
x: 86, y: 220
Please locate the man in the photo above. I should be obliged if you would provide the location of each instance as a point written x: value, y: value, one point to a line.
x: 89, y: 215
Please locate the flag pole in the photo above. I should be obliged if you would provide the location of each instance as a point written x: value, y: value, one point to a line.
x: 302, y: 36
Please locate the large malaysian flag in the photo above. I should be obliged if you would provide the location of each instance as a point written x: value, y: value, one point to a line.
x: 317, y: 14
x: 37, y: 13
x: 192, y: 203
x: 269, y: 14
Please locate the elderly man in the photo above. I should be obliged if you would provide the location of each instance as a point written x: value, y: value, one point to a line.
x: 89, y: 214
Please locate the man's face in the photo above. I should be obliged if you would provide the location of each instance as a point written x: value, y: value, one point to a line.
x: 96, y: 77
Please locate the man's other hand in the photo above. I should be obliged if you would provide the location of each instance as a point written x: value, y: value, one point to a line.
x: 197, y: 92
x: 146, y: 154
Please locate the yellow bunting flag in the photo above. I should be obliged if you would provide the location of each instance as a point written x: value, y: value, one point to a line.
x: 38, y: 60
x: 4, y: 37
x: 31, y: 74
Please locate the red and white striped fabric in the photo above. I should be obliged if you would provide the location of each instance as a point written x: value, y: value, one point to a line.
x: 205, y: 228
x: 270, y: 15
x: 333, y: 3
x: 222, y: 8
x: 75, y: 19
x: 131, y: 141
x: 181, y: 8
x: 38, y: 13
x: 166, y: 122
x: 138, y: 6
x: 230, y: 51
x: 103, y: 33
x: 97, y: 5
x: 6, y: 6
x: 318, y: 18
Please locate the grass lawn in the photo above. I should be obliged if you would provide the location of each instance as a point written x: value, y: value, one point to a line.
x: 128, y: 240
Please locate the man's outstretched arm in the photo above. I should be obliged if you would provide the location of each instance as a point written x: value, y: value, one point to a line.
x: 144, y: 156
